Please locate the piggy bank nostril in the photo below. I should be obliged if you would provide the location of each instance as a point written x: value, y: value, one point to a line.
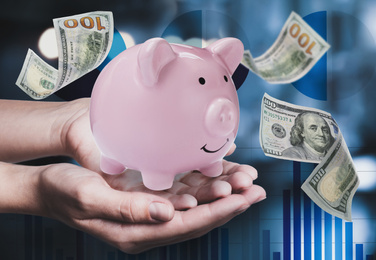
x: 222, y: 118
x: 225, y: 117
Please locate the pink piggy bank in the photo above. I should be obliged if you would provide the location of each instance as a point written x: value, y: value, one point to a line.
x: 165, y: 109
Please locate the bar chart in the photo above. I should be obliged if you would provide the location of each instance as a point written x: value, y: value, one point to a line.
x: 323, y: 228
x: 286, y: 226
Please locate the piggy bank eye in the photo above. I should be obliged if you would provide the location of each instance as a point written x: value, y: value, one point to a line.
x: 201, y: 80
x: 226, y: 79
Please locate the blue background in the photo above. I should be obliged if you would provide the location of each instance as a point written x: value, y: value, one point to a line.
x: 344, y: 85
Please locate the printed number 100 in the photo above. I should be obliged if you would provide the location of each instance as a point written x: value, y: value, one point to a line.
x: 86, y: 22
x: 303, y: 39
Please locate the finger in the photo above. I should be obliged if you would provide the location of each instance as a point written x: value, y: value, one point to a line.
x: 183, y: 201
x: 238, y: 177
x: 129, y: 207
x: 214, y: 190
x: 194, y: 178
x: 221, y: 187
x: 204, y: 189
x: 132, y: 181
x: 254, y: 194
x: 180, y: 201
x: 230, y: 168
x: 239, y: 181
x: 222, y: 210
x: 185, y: 225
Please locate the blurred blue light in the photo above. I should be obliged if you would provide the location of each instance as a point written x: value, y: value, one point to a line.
x: 366, y: 170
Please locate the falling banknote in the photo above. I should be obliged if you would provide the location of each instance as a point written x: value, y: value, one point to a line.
x: 333, y: 183
x: 281, y: 133
x: 83, y: 43
x: 296, y: 50
x: 298, y: 133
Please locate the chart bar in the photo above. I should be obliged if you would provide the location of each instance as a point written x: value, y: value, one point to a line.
x: 307, y: 228
x: 348, y: 240
x: 59, y: 254
x: 318, y: 232
x: 359, y: 252
x: 266, y: 244
x: 204, y: 242
x: 297, y: 208
x: 80, y: 242
x: 183, y: 251
x: 173, y: 250
x: 121, y: 255
x: 38, y: 237
x: 49, y: 243
x: 214, y: 237
x: 224, y: 244
x: 328, y: 236
x: 286, y: 225
x: 111, y: 255
x: 338, y: 238
x: 28, y: 219
x: 142, y: 256
x: 194, y: 249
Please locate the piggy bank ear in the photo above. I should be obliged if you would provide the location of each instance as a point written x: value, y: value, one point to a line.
x: 228, y: 51
x: 153, y: 55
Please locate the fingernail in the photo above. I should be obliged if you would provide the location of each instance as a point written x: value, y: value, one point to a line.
x: 242, y: 209
x: 160, y: 211
x: 260, y: 199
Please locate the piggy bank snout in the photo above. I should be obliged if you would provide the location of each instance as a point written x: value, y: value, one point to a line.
x: 221, y: 117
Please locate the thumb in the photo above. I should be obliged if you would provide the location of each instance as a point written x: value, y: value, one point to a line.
x: 133, y: 207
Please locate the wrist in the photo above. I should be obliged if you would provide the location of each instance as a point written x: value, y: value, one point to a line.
x: 60, y: 133
x: 19, y: 189
x: 31, y: 129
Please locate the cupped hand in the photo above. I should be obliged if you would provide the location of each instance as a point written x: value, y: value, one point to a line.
x: 133, y: 218
x: 192, y: 188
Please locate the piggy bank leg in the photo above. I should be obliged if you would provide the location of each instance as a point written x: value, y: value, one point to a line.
x: 157, y: 180
x: 212, y: 170
x: 111, y: 166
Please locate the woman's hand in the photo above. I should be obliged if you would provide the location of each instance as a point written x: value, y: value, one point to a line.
x: 133, y: 218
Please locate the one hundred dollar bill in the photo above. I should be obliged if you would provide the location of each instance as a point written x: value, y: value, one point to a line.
x: 333, y: 183
x: 282, y: 136
x: 299, y: 133
x: 84, y: 41
x: 296, y: 50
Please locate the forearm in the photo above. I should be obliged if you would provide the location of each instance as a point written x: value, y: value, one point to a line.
x: 32, y: 129
x: 19, y: 189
